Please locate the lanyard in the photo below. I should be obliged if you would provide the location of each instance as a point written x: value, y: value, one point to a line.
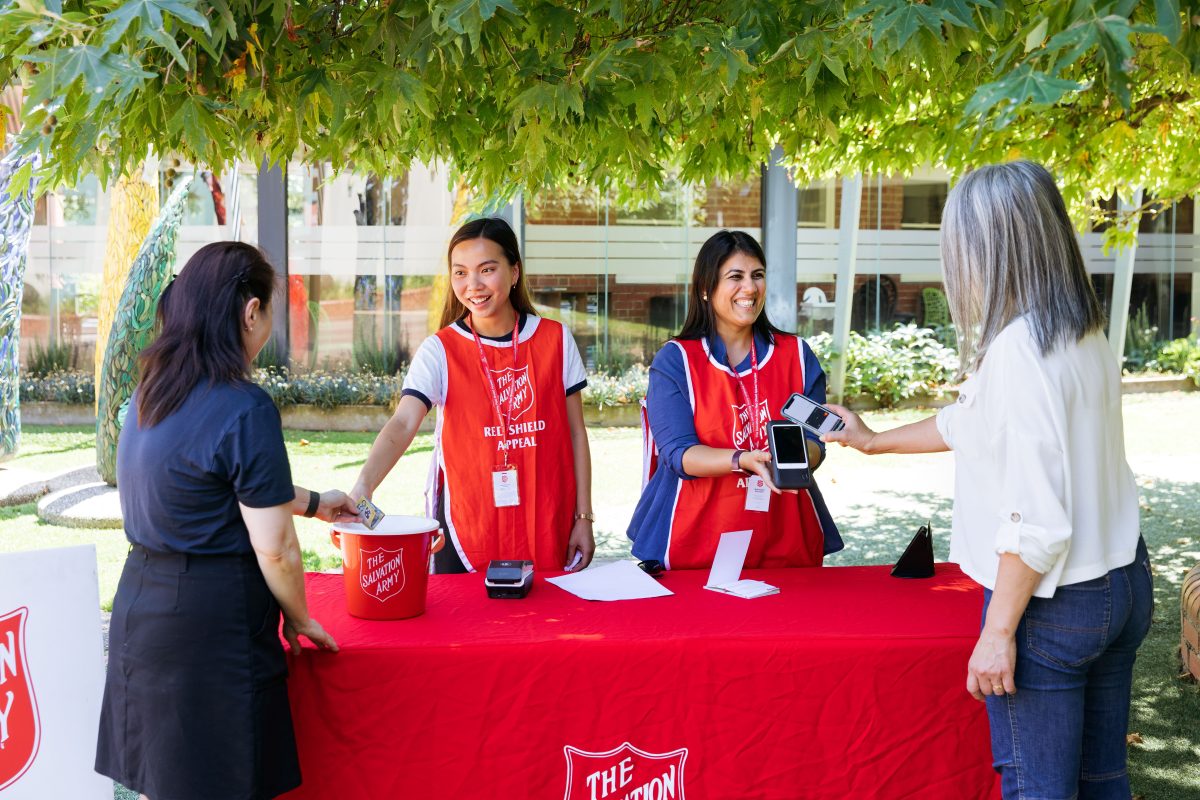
x: 502, y: 416
x: 752, y: 412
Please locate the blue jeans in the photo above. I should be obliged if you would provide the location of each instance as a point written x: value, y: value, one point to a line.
x: 1062, y: 735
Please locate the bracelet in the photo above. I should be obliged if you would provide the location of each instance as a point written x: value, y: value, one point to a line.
x: 588, y: 515
x: 737, y: 459
x: 314, y: 500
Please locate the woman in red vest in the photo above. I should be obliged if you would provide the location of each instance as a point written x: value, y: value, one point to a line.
x: 511, y: 472
x: 712, y: 390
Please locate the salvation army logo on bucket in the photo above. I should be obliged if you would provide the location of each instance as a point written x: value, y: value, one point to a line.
x: 382, y: 572
x: 624, y: 773
x: 20, y: 726
x: 515, y: 390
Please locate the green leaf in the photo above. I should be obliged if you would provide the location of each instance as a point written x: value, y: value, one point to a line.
x: 1023, y: 85
x: 192, y: 121
x: 1035, y: 37
x: 149, y: 15
x: 1166, y: 12
x: 835, y: 66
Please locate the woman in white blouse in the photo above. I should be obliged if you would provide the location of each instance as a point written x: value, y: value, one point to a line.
x: 1045, y: 505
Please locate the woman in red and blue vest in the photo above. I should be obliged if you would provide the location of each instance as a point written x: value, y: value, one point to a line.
x: 511, y: 471
x: 713, y: 389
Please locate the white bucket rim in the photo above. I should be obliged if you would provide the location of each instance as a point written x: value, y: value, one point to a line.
x: 391, y: 525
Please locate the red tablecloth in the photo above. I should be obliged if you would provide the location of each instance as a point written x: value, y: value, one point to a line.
x: 847, y: 684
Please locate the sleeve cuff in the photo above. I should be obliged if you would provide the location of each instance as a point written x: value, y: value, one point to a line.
x: 419, y: 396
x: 579, y: 387
x: 1022, y: 539
x: 943, y: 425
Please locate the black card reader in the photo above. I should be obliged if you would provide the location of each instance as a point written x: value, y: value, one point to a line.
x: 508, y: 580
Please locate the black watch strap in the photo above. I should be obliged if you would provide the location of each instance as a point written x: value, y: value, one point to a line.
x: 314, y: 500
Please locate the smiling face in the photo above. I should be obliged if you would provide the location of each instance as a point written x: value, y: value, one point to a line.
x: 740, y: 293
x: 482, y: 277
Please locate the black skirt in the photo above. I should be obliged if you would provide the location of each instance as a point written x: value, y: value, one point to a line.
x: 195, y: 700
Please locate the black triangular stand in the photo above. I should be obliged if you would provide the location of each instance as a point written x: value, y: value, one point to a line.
x: 917, y: 561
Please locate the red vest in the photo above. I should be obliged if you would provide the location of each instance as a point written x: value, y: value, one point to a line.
x: 538, y: 443
x: 787, y: 535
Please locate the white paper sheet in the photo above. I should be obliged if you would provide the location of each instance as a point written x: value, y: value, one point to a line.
x: 731, y: 555
x: 621, y: 580
x: 727, y: 568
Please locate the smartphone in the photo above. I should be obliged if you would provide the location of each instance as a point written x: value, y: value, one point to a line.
x: 814, y: 416
x: 789, y: 455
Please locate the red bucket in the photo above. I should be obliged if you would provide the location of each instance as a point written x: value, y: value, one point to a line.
x: 387, y: 569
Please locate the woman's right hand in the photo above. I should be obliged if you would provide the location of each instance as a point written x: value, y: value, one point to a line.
x: 310, y: 629
x: 358, y: 492
x: 855, y: 434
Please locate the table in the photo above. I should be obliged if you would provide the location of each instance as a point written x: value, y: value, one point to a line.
x: 847, y: 684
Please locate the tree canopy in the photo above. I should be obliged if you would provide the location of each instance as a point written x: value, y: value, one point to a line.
x: 522, y: 94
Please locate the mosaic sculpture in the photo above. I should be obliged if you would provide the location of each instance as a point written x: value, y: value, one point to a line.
x: 133, y: 206
x: 16, y: 225
x: 132, y: 328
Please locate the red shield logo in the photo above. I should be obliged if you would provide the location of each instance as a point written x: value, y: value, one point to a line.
x: 20, y: 727
x: 742, y: 429
x: 381, y: 572
x: 624, y: 772
x: 515, y: 390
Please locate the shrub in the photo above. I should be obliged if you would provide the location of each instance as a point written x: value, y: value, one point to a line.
x: 59, y: 387
x: 890, y: 366
x: 50, y: 359
x: 329, y: 389
x: 1181, y: 356
x: 626, y: 388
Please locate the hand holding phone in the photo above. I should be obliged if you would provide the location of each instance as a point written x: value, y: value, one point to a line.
x: 813, y: 416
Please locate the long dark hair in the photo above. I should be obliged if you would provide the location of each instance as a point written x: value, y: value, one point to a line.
x: 200, y: 323
x: 701, y: 322
x: 498, y: 231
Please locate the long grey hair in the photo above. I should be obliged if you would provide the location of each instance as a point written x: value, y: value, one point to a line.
x: 1008, y: 249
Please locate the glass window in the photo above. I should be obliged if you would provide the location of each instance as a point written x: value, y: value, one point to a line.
x: 815, y: 205
x: 923, y: 204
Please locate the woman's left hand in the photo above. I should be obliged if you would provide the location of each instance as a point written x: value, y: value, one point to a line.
x: 336, y: 506
x: 581, y: 543
x: 990, y: 670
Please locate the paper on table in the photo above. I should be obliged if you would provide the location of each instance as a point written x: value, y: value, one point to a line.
x: 727, y: 568
x: 731, y: 555
x: 621, y: 580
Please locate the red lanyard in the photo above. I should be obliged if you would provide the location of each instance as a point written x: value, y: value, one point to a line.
x: 752, y: 411
x: 503, y: 417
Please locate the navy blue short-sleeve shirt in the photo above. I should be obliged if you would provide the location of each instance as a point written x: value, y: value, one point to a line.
x: 182, y: 479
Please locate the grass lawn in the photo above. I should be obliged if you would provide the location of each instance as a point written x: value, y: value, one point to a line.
x: 878, y: 502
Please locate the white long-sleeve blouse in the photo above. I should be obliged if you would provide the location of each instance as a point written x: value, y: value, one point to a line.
x: 1040, y: 466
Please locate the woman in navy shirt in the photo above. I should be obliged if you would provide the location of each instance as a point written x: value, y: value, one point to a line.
x: 195, y: 701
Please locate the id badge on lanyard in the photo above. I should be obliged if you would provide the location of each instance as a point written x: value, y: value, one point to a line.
x: 505, y: 491
x: 758, y: 496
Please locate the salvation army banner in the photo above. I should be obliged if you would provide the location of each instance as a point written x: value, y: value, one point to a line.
x: 51, y: 675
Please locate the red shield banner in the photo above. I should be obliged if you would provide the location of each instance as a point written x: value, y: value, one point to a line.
x: 624, y: 773
x: 381, y: 574
x: 514, y: 386
x: 20, y: 727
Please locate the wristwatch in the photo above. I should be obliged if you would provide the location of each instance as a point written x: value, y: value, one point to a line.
x: 737, y: 458
x: 588, y: 515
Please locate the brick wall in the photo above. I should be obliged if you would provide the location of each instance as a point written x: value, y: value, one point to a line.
x: 868, y: 215
x: 1189, y: 645
x: 733, y: 205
